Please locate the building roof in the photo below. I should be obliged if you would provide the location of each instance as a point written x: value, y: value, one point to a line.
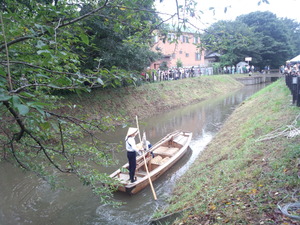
x: 212, y: 55
x: 296, y: 59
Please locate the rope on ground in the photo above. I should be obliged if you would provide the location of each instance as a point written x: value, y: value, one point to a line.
x: 290, y: 206
x: 288, y: 131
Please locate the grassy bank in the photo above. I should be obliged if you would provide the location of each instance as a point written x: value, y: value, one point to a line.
x: 150, y: 99
x: 243, y: 174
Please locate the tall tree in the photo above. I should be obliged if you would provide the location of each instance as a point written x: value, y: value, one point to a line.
x: 260, y: 35
x: 123, y: 41
x: 274, y: 34
x: 233, y: 40
x: 293, y: 33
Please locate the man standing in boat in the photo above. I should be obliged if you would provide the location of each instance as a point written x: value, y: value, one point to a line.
x: 132, y: 150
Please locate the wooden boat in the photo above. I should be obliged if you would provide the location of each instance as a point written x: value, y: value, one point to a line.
x: 166, y: 153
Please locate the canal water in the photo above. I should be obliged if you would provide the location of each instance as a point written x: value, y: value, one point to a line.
x: 26, y: 199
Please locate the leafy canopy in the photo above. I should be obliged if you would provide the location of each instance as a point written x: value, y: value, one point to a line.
x: 274, y: 33
x: 47, y: 47
x: 233, y: 40
x: 260, y: 35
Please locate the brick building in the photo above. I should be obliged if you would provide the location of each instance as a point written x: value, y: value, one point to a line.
x: 184, y: 50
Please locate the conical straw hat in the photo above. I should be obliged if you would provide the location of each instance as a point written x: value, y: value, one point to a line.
x: 131, y: 131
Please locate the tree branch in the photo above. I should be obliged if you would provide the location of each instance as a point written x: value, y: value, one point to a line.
x: 61, y: 138
x: 15, y: 156
x: 39, y: 67
x: 45, y: 152
x: 59, y: 26
x: 177, y: 10
x: 19, y: 135
x: 18, y: 90
x: 75, y: 121
x: 7, y: 55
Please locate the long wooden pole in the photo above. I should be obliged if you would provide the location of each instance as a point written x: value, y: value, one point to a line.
x: 150, y: 181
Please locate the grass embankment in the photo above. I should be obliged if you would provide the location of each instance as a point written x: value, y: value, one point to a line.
x: 239, y: 180
x: 150, y: 99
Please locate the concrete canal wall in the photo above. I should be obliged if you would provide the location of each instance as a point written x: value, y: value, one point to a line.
x: 260, y: 78
x: 254, y: 79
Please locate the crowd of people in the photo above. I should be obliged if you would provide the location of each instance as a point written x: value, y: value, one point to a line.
x: 246, y: 68
x: 182, y: 73
x: 291, y: 69
x: 172, y: 74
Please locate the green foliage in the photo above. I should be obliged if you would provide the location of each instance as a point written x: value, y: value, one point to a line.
x: 260, y: 35
x: 163, y: 66
x: 179, y: 63
x: 275, y: 37
x: 123, y: 41
x: 45, y: 47
x: 234, y: 40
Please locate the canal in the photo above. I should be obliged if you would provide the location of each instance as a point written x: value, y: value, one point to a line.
x: 26, y: 199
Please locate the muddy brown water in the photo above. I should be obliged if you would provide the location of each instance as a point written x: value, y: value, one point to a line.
x: 26, y: 199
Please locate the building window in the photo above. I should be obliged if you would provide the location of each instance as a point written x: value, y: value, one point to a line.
x: 184, y: 39
x: 155, y: 39
x: 171, y: 37
x: 198, y: 56
x: 173, y: 55
x: 187, y: 54
x: 180, y: 52
x: 196, y: 40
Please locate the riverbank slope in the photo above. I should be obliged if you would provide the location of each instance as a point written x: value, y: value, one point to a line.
x: 120, y: 105
x: 250, y: 167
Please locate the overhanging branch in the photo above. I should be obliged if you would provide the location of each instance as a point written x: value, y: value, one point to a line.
x: 18, y: 90
x: 17, y: 40
x: 19, y: 135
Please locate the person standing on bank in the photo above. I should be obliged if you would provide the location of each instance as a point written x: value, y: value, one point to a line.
x: 132, y: 150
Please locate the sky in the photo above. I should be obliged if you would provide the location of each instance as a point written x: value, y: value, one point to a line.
x: 282, y: 8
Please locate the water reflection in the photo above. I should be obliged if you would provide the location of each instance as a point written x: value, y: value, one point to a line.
x: 25, y: 199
